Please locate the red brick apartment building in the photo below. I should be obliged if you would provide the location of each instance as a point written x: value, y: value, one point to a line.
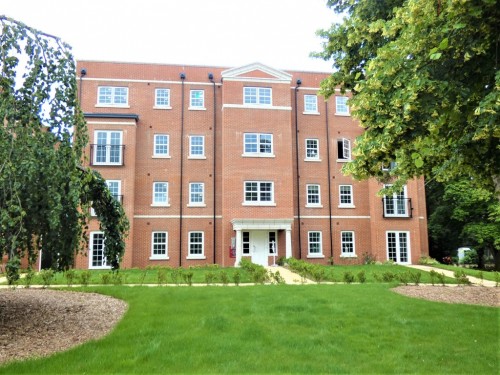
x: 214, y: 164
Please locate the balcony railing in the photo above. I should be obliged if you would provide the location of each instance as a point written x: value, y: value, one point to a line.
x: 106, y: 154
x: 397, y: 207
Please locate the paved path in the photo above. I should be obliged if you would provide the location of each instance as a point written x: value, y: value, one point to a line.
x: 473, y: 280
x: 289, y: 276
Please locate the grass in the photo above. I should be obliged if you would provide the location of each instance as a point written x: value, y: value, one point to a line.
x: 487, y: 275
x: 284, y: 329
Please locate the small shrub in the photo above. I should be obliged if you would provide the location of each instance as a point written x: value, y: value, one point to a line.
x: 237, y: 277
x: 461, y: 277
x: 331, y: 261
x: 361, y: 277
x: 224, y: 278
x: 368, y: 258
x: 377, y: 277
x: 281, y: 261
x: 188, y: 277
x: 259, y: 275
x: 388, y: 276
x: 415, y: 277
x: 118, y: 278
x: 276, y: 277
x: 47, y: 276
x: 426, y: 260
x: 106, y: 278
x: 12, y: 269
x: 497, y: 279
x: 28, y: 278
x: 210, y: 277
x: 447, y: 260
x: 403, y: 277
x: 174, y: 275
x: 70, y: 276
x: 441, y: 277
x: 318, y: 274
x: 470, y: 257
x: 85, y: 277
x: 143, y: 276
x: 348, y: 277
x: 433, y: 275
x: 481, y: 277
x: 161, y: 277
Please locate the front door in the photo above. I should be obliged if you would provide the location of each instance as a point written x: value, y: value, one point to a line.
x: 398, y: 247
x: 259, y: 247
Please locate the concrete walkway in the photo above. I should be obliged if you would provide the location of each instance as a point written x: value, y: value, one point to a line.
x: 289, y: 276
x: 473, y: 280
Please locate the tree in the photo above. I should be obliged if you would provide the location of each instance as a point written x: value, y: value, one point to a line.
x: 425, y: 85
x: 463, y: 214
x: 45, y: 194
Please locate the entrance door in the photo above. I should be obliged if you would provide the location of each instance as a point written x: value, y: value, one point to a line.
x: 259, y: 247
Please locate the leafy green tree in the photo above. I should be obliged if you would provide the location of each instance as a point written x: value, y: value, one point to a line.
x: 425, y: 85
x: 45, y: 194
x: 465, y: 214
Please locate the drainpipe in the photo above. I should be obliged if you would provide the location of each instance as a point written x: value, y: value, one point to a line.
x: 182, y: 77
x: 329, y: 178
x: 211, y: 78
x: 299, y: 82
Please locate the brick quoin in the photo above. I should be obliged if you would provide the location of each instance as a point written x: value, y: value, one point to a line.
x: 228, y: 217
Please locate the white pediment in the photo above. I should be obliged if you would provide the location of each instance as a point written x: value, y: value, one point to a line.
x: 256, y: 72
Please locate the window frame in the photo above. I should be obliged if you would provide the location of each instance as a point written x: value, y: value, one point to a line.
x: 157, y: 97
x: 202, y: 193
x: 156, y: 144
x: 258, y: 96
x: 192, y: 243
x: 311, y: 196
x: 163, y: 256
x: 347, y: 243
x: 192, y: 146
x: 310, y: 107
x: 113, y: 96
x: 259, y: 192
x: 103, y: 265
x: 394, y: 201
x: 245, y: 243
x: 341, y: 102
x: 344, y: 194
x: 158, y: 203
x: 196, y: 103
x: 343, y: 150
x: 108, y: 148
x: 307, y: 148
x: 259, y: 145
x: 397, y: 251
x: 318, y: 242
x: 274, y: 234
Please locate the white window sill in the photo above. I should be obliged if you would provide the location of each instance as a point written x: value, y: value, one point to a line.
x: 346, y: 206
x: 197, y: 205
x: 197, y: 109
x: 311, y: 113
x: 196, y: 257
x: 160, y: 205
x: 161, y: 156
x: 259, y: 204
x: 343, y: 114
x: 100, y: 268
x: 389, y: 216
x: 313, y: 160
x: 159, y: 258
x: 343, y: 160
x: 315, y: 256
x: 314, y: 206
x: 96, y: 164
x: 348, y: 256
x: 197, y: 157
x: 258, y: 155
x: 162, y: 107
x: 112, y: 105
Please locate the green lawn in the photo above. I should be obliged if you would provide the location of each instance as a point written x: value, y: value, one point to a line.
x: 284, y: 329
x: 487, y: 275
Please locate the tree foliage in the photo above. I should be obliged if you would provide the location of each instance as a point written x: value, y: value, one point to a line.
x: 463, y: 214
x: 425, y: 84
x: 44, y: 192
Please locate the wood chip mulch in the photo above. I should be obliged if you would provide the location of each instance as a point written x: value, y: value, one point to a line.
x: 40, y: 322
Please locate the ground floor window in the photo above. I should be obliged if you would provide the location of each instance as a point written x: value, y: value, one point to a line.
x: 196, y: 245
x: 398, y: 246
x: 246, y: 243
x: 159, y: 245
x: 314, y: 244
x: 347, y: 243
x: 97, y: 257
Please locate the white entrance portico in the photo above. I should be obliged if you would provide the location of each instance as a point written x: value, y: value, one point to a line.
x: 254, y: 237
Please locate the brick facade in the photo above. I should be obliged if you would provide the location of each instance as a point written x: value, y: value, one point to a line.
x: 239, y: 148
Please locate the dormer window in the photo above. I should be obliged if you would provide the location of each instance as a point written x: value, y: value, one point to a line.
x: 257, y: 95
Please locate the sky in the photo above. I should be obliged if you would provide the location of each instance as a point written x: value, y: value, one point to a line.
x: 226, y: 33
